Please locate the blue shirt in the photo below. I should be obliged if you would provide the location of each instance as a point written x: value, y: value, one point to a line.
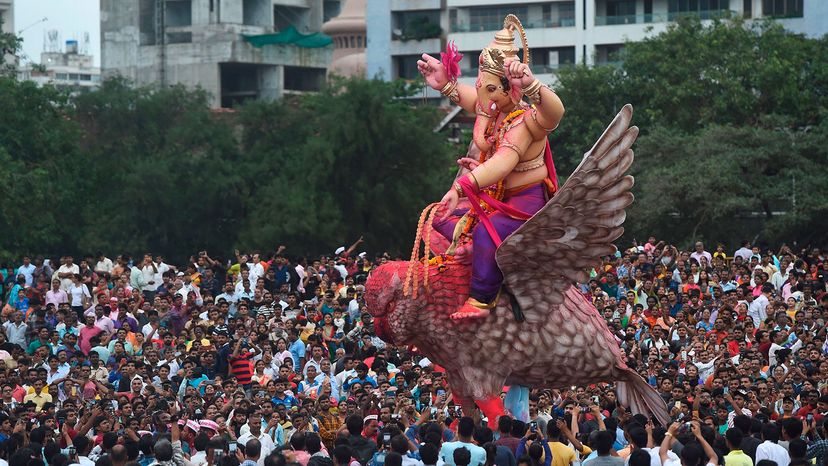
x: 288, y: 401
x: 478, y: 454
x: 297, y: 352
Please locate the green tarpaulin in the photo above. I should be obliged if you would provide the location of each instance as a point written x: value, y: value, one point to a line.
x: 290, y: 36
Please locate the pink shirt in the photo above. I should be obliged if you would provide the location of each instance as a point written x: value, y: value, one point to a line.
x: 56, y: 297
x: 86, y: 334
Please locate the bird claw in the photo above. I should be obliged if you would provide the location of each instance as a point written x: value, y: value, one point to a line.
x: 469, y: 311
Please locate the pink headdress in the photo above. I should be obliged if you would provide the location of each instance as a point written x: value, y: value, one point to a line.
x: 451, y: 60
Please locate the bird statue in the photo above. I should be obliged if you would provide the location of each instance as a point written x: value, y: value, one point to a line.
x: 543, y: 331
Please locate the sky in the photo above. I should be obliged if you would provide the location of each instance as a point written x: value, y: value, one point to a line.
x: 70, y: 18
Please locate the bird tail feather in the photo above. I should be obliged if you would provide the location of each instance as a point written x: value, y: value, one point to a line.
x: 641, y: 398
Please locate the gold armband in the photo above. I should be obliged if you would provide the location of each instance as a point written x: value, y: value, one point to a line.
x: 458, y: 188
x: 533, y: 91
x: 450, y: 91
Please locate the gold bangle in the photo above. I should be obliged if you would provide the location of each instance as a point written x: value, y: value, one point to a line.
x: 533, y: 91
x: 535, y: 118
x: 458, y: 188
x: 476, y: 183
x: 450, y: 91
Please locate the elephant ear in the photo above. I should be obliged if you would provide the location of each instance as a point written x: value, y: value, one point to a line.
x: 567, y: 237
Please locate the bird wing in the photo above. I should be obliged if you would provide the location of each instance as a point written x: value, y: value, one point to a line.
x: 556, y: 247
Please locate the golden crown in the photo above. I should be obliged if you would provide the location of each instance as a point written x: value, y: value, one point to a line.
x: 493, y: 58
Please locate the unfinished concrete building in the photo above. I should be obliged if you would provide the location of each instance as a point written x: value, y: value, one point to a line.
x: 235, y: 49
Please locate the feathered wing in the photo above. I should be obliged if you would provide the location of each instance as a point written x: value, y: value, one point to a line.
x: 557, y: 246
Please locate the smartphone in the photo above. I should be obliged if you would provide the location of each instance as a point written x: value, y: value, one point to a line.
x: 677, y: 405
x: 809, y: 418
x: 441, y: 392
x: 533, y: 426
x: 71, y: 451
x: 232, y: 447
x: 386, y: 438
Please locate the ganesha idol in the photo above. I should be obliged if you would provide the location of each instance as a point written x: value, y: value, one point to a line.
x: 513, y: 176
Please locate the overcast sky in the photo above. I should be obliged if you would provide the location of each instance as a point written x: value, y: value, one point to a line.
x: 70, y: 18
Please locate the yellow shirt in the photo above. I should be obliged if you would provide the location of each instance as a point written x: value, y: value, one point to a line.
x: 737, y: 458
x: 38, y: 399
x: 562, y: 454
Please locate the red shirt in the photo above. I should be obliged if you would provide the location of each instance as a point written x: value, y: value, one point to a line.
x: 241, y: 367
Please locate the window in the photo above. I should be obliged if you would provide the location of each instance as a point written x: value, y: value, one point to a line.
x: 61, y: 76
x: 782, y: 8
x: 86, y: 77
x: 705, y: 9
x: 330, y: 9
x: 406, y: 66
x: 416, y: 25
x: 491, y: 18
x: 146, y: 22
x: 620, y: 7
x: 747, y: 8
x: 179, y: 13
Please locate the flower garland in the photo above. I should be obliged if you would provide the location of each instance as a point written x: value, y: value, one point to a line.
x: 496, y: 191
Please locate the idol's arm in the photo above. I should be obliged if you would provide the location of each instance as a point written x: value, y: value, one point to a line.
x: 504, y: 160
x: 548, y: 111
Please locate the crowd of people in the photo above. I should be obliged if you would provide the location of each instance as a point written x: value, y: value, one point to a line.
x: 267, y: 359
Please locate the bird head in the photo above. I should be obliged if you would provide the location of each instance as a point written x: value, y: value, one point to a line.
x: 383, y: 293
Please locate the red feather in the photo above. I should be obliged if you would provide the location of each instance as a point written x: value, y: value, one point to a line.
x: 451, y: 60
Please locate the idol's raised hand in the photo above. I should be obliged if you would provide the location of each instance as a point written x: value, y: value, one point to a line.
x: 433, y: 71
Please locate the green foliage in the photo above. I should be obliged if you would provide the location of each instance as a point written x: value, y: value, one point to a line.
x: 165, y: 171
x: 354, y: 159
x: 729, y: 114
x: 39, y: 168
x: 421, y: 28
x: 9, y: 46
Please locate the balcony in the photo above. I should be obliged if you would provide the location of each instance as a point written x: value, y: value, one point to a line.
x: 701, y: 14
x: 630, y: 19
x: 497, y: 25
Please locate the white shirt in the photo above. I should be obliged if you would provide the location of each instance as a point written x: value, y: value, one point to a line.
x: 16, y: 333
x: 28, y: 272
x: 267, y: 443
x: 159, y: 276
x: 302, y: 274
x: 733, y: 415
x: 758, y: 310
x: 698, y: 255
x: 76, y: 294
x: 66, y: 283
x: 744, y: 253
x: 768, y: 450
x: 104, y: 266
x: 149, y: 276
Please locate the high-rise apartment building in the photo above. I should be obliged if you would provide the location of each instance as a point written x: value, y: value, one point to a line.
x: 235, y: 49
x: 560, y: 32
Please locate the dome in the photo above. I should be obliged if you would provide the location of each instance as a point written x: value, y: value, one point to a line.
x: 349, y: 65
x: 348, y: 31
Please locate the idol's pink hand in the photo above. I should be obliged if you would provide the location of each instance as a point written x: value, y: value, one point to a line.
x: 468, y: 163
x: 449, y: 203
x: 518, y: 73
x: 433, y: 71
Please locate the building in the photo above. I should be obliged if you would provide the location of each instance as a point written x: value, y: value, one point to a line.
x: 7, y: 16
x: 234, y: 49
x: 68, y: 69
x: 7, y: 22
x: 347, y: 30
x: 560, y: 32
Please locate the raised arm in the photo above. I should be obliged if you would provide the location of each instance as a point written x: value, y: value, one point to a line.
x: 437, y: 78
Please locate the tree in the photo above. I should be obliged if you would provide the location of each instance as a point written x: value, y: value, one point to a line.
x: 355, y: 159
x: 728, y: 113
x: 39, y: 169
x: 165, y: 172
